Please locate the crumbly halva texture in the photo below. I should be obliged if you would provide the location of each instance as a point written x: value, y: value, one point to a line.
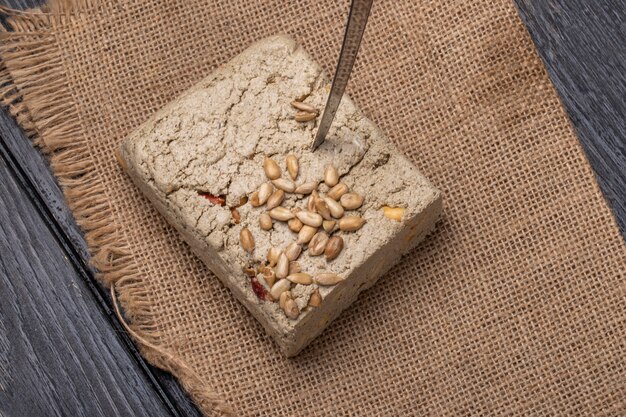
x: 212, y: 141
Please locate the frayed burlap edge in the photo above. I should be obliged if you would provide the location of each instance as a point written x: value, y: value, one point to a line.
x: 42, y: 104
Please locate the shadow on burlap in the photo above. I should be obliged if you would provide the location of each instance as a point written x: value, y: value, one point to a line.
x: 514, y: 306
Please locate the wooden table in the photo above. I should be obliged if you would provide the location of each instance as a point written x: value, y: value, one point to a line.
x: 62, y: 350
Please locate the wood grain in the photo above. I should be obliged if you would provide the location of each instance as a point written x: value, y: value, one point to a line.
x: 29, y: 168
x: 583, y: 45
x: 59, y: 354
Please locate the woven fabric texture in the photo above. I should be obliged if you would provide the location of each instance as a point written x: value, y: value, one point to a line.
x: 514, y: 306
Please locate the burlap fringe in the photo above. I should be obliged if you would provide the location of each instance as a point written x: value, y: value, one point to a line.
x: 32, y: 87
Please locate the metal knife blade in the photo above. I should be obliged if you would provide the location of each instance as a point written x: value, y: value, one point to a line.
x: 357, y: 20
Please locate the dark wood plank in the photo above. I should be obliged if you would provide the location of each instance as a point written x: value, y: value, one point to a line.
x: 43, y: 188
x: 583, y: 45
x: 59, y: 355
x: 30, y: 168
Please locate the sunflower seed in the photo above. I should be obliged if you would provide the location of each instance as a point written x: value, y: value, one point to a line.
x: 281, y: 213
x: 310, y: 219
x: 293, y: 251
x: 327, y: 278
x: 246, y: 239
x: 292, y: 166
x: 236, y: 215
x: 337, y: 191
x: 276, y: 199
x: 318, y: 244
x: 272, y: 255
x: 280, y: 287
x: 300, y: 278
x: 303, y: 116
x: 310, y: 205
x: 331, y: 177
x: 254, y: 199
x: 335, y: 208
x: 291, y: 309
x: 284, y: 184
x: 283, y: 298
x: 322, y: 209
x: 351, y: 201
x: 271, y: 168
x: 306, y: 234
x: 282, y: 267
x: 270, y: 276
x: 294, y: 267
x: 265, y: 190
x: 304, y: 107
x: 265, y: 221
x: 351, y: 223
x: 393, y: 213
x: 316, y: 298
x: 333, y: 247
x: 329, y: 225
x: 306, y: 188
x: 294, y: 225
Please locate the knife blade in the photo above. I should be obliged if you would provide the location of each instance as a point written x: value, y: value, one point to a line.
x: 357, y: 20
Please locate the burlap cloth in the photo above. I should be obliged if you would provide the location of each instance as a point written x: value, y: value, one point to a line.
x: 516, y: 305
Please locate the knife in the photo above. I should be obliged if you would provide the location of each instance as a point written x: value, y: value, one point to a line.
x: 357, y: 20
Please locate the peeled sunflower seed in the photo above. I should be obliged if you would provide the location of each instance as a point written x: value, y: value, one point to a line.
x: 310, y: 219
x: 393, y: 213
x: 276, y: 199
x: 284, y: 184
x: 281, y: 213
x: 318, y: 244
x: 304, y: 107
x: 316, y: 298
x: 283, y: 298
x: 293, y: 251
x: 271, y: 168
x: 294, y: 225
x: 254, y: 199
x: 292, y: 166
x: 331, y: 176
x: 265, y: 190
x: 306, y: 188
x: 265, y: 221
x: 333, y: 247
x: 306, y: 234
x: 304, y: 116
x: 351, y: 223
x: 282, y: 267
x: 351, y: 201
x: 336, y: 210
x: 322, y: 208
x: 310, y: 205
x: 280, y: 287
x: 337, y: 191
x: 329, y: 225
x: 300, y: 278
x: 291, y: 309
x: 236, y: 215
x: 294, y: 267
x: 246, y: 239
x: 327, y: 278
x: 272, y: 255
